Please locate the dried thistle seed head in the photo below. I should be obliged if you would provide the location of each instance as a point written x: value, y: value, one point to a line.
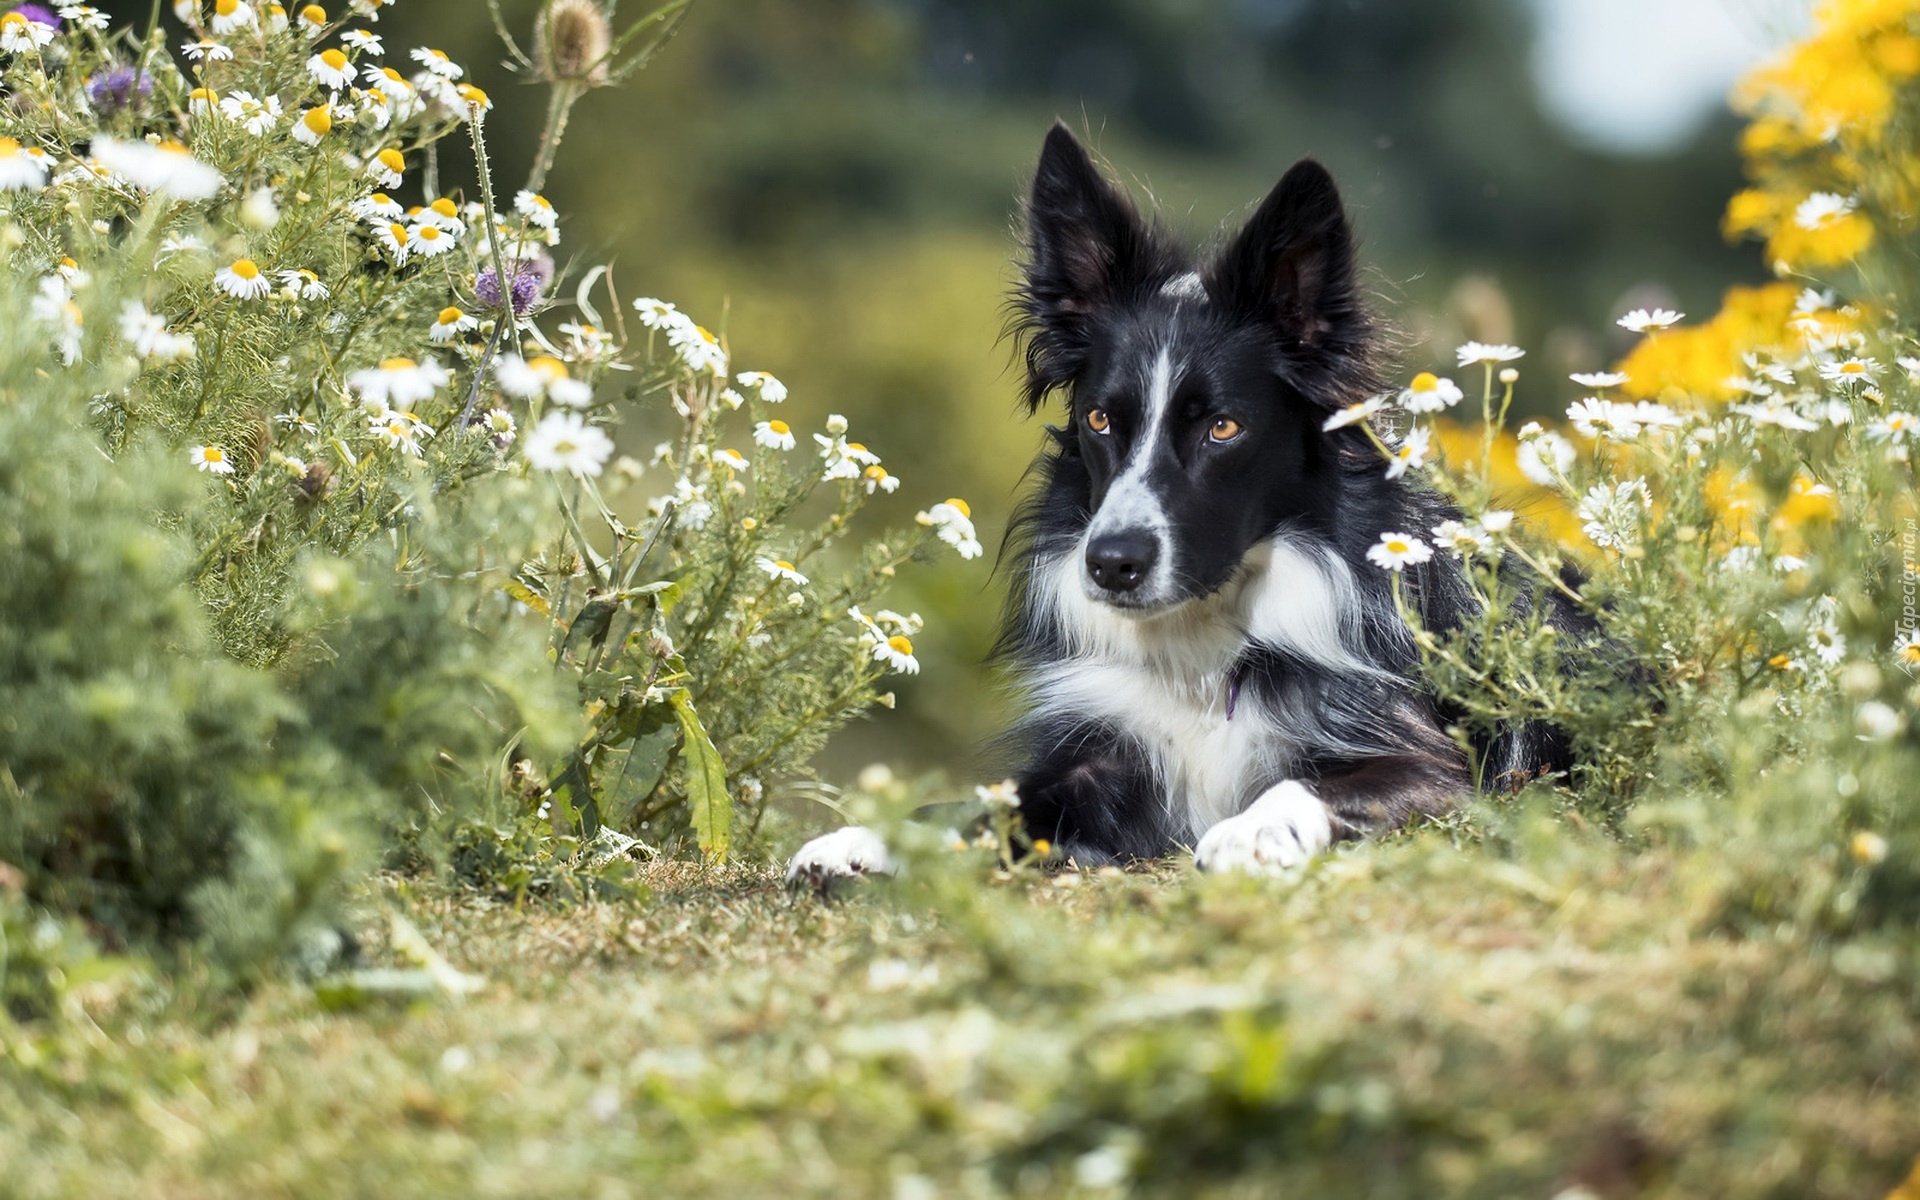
x: 571, y: 40
x: 317, y: 482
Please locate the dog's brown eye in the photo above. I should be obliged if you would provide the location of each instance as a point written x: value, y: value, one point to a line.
x: 1097, y: 420
x: 1225, y: 429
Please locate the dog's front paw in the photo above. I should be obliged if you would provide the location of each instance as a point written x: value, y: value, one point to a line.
x: 1281, y: 830
x: 846, y: 853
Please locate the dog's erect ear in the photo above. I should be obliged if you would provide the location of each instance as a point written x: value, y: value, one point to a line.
x: 1086, y: 248
x: 1292, y: 264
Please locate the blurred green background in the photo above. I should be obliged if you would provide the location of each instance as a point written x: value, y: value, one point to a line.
x: 835, y: 181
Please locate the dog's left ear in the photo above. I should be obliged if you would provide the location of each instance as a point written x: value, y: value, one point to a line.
x: 1292, y: 264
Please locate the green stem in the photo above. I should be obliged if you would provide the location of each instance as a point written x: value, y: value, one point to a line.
x: 566, y: 93
x: 505, y: 280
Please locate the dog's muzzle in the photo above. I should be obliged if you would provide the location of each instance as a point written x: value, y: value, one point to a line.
x: 1118, y: 563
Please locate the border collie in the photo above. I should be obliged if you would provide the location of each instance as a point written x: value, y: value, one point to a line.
x: 1208, y: 657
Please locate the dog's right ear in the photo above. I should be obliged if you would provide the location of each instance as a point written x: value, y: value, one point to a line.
x: 1086, y: 248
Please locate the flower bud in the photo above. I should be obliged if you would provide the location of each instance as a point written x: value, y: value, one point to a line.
x: 571, y: 40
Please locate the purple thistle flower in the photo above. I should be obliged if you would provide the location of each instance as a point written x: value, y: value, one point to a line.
x: 116, y: 87
x: 528, y: 282
x: 39, y: 14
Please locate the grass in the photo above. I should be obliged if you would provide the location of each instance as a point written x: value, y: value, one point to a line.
x: 1426, y: 1015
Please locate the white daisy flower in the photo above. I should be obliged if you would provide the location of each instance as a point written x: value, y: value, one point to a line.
x: 563, y: 441
x: 526, y: 379
x: 655, y: 314
x: 774, y: 435
x: 212, y: 52
x: 21, y: 169
x: 1906, y: 649
x: 211, y: 459
x: 1850, y: 371
x: 1642, y: 320
x: 314, y: 124
x: 19, y: 34
x: 1497, y: 521
x: 332, y: 69
x: 1776, y: 412
x: 836, y: 424
x: 1594, y: 417
x: 361, y: 40
x: 897, y: 653
x: 781, y: 570
x: 379, y: 205
x: 370, y: 9
x: 1484, y: 352
x: 303, y: 284
x: 1428, y: 393
x: 498, y: 423
x: 443, y: 214
x: 474, y: 98
x: 1411, y: 453
x: 1459, y: 538
x: 166, y: 167
x: 697, y: 348
x: 431, y: 241
x: 952, y: 522
x: 257, y: 116
x: 535, y: 209
x: 1895, y: 427
x: 877, y: 478
x: 771, y: 390
x: 313, y: 20
x: 1353, y: 414
x: 1787, y: 564
x: 1654, y: 416
x: 147, y: 333
x: 732, y: 460
x: 400, y: 431
x: 437, y: 62
x: 292, y: 419
x: 1824, y: 638
x: 230, y: 16
x: 396, y: 240
x: 243, y: 280
x: 386, y: 168
x: 85, y: 16
x: 1612, y: 514
x: 1599, y: 379
x: 202, y: 102
x: 1543, y: 456
x: 399, y: 383
x: 1820, y: 210
x: 451, y: 323
x: 1397, y: 551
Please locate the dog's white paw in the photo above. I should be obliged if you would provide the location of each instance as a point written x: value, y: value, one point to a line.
x: 846, y: 853
x: 1281, y: 830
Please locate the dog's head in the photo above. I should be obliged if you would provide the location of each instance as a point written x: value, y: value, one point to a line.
x: 1196, y: 395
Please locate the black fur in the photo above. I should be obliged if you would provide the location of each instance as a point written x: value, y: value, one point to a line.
x: 1274, y: 334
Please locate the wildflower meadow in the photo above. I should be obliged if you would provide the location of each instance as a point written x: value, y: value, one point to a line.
x: 420, y: 642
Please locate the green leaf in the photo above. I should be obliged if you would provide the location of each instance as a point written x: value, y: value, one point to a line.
x: 706, y: 781
x: 646, y: 762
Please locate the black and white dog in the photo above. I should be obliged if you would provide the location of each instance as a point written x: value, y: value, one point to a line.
x: 1209, y: 657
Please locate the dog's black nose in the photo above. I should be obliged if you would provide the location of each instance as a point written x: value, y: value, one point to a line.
x: 1121, y: 562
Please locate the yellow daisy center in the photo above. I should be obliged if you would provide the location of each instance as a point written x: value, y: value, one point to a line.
x: 205, y: 94
x: 319, y: 120
x: 397, y: 363
x: 1910, y: 653
x: 9, y: 146
x: 1780, y: 662
x: 394, y: 75
x: 549, y: 366
x: 779, y: 427
x: 444, y: 207
x: 399, y: 233
x: 429, y: 233
x: 473, y: 95
x: 69, y: 264
x: 173, y: 147
x: 541, y: 202
x: 313, y: 14
x: 1425, y: 381
x: 246, y: 268
x: 381, y: 199
x: 226, y: 8
x: 334, y: 59
x: 1397, y: 546
x: 12, y: 18
x: 899, y: 644
x: 707, y: 334
x: 212, y: 454
x: 784, y: 565
x: 391, y: 160
x: 858, y: 448
x: 449, y: 315
x: 875, y: 472
x: 1853, y: 368
x: 962, y: 506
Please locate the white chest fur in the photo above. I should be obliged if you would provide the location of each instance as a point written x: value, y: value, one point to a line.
x: 1162, y: 680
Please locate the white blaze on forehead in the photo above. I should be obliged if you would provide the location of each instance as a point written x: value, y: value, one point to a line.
x: 1185, y: 287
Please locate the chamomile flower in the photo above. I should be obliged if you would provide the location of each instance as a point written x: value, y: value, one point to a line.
x: 451, y: 323
x: 1850, y: 371
x: 21, y: 169
x: 1603, y: 419
x: 1398, y: 551
x: 1822, y: 209
x: 1411, y: 453
x: 699, y: 349
x: 314, y: 124
x: 202, y: 102
x: 1612, y: 514
x: 1543, y: 456
x: 1895, y: 427
x: 897, y: 653
x: 877, y: 478
x: 535, y: 208
x: 1599, y: 379
x: 1824, y: 638
x: 476, y: 100
x: 293, y: 419
x: 332, y: 69
x: 498, y: 423
x: 396, y: 239
x: 1353, y: 414
x: 379, y: 204
x: 437, y: 62
x: 952, y: 522
x: 147, y: 333
x: 398, y: 383
x: 442, y: 214
x: 313, y: 20
x: 1906, y: 649
x: 774, y: 435
x: 211, y: 459
x: 230, y: 16
x: 256, y: 115
x: 1428, y: 393
x: 782, y: 570
x: 544, y: 375
x: 1642, y: 320
x: 20, y: 34
x: 431, y: 241
x: 655, y: 314
x: 1497, y: 521
x: 85, y: 16
x: 361, y: 40
x: 303, y: 284
x: 166, y: 167
x: 1776, y: 412
x: 211, y: 52
x: 386, y: 167
x: 1486, y: 352
x: 563, y: 441
x: 242, y: 279
x: 733, y: 460
x: 836, y: 425
x: 769, y: 389
x: 1460, y: 538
